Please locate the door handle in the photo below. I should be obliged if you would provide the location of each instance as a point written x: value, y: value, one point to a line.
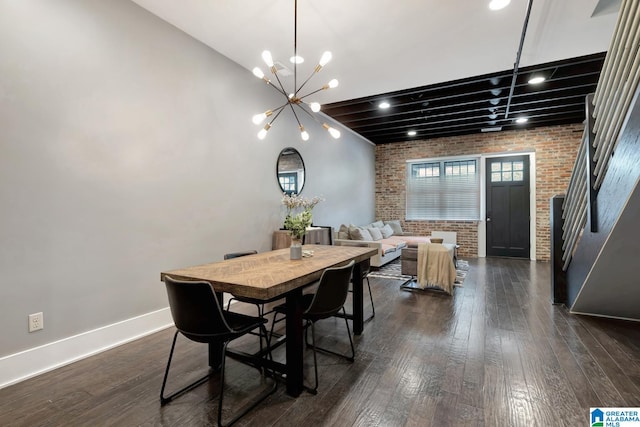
x: 488, y: 219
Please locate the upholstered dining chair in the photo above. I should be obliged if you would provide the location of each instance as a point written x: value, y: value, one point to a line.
x: 327, y: 301
x: 198, y: 316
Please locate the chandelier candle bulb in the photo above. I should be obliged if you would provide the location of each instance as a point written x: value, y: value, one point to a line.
x: 315, y: 107
x: 333, y: 132
x: 266, y: 57
x: 324, y: 60
x: 258, y: 73
x: 304, y: 134
x: 263, y: 132
x: 258, y: 118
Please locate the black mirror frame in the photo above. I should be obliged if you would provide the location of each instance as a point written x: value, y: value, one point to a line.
x: 304, y: 169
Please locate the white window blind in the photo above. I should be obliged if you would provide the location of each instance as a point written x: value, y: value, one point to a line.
x: 447, y: 189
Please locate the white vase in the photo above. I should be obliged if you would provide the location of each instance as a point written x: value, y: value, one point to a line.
x: 295, y: 249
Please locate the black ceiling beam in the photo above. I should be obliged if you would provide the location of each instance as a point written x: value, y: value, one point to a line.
x: 466, y: 105
x: 451, y: 99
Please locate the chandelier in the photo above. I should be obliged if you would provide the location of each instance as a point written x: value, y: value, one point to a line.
x: 295, y: 101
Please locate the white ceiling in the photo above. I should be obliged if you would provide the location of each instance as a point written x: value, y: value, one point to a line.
x: 385, y: 45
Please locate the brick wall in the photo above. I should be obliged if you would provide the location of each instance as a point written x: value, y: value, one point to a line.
x: 555, y: 148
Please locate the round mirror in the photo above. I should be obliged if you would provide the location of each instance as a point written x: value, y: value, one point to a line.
x: 290, y: 171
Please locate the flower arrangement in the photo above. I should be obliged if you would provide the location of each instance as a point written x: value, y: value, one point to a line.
x: 294, y: 201
x: 299, y: 215
x: 298, y: 224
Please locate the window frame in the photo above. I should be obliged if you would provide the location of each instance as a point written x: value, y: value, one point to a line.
x: 293, y: 179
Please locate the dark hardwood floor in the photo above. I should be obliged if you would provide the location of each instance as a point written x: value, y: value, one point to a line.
x: 497, y: 353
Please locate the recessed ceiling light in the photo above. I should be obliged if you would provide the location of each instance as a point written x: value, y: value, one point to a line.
x: 384, y: 104
x: 536, y: 80
x: 296, y: 59
x: 521, y: 120
x: 498, y: 4
x: 412, y: 133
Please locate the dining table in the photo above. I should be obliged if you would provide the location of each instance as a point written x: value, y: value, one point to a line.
x: 267, y: 275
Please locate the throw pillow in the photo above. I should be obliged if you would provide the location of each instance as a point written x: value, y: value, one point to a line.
x: 376, y: 233
x: 395, y: 226
x: 386, y: 231
x: 377, y: 224
x: 343, y: 232
x: 360, y: 234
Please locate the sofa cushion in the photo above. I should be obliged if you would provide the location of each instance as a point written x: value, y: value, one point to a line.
x: 396, y: 243
x: 359, y: 234
x: 343, y: 232
x: 387, y: 231
x: 377, y: 224
x: 386, y: 248
x: 395, y: 226
x: 414, y: 240
x: 376, y: 233
x: 352, y: 229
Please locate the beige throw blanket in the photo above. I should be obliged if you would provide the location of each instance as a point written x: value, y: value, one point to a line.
x: 435, y: 267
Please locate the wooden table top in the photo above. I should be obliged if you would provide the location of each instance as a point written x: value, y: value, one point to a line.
x: 269, y: 274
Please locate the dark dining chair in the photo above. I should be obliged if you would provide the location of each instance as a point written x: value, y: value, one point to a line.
x: 258, y: 303
x: 198, y: 316
x: 327, y: 301
x: 366, y: 269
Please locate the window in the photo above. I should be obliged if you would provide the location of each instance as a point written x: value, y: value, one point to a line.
x: 289, y: 182
x: 507, y: 171
x: 447, y: 189
x: 425, y: 170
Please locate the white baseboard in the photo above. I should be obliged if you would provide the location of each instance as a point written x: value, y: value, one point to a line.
x: 38, y: 360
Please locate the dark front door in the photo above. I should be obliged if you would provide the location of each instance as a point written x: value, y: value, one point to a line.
x: 508, y: 206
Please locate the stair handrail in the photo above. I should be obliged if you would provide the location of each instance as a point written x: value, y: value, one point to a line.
x: 606, y: 111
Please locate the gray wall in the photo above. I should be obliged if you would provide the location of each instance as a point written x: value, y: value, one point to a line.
x: 127, y: 148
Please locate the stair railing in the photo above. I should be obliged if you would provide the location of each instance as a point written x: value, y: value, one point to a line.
x: 606, y: 111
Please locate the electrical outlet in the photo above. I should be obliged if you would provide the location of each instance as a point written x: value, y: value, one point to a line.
x: 36, y: 322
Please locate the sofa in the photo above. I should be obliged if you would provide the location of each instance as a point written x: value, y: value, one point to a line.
x: 385, y: 236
